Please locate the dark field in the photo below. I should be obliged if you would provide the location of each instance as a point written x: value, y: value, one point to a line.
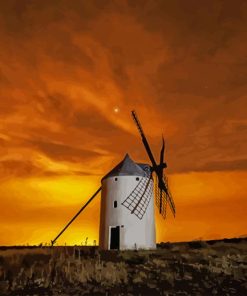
x: 195, y: 268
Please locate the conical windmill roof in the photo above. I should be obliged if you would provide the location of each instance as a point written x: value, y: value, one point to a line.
x: 127, y: 167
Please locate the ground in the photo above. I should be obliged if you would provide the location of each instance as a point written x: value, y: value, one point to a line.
x: 191, y: 268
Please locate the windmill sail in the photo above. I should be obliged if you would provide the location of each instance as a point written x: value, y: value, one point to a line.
x: 164, y: 193
x: 160, y: 199
x: 164, y: 187
x: 138, y: 200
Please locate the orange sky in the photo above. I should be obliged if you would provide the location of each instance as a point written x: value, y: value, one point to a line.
x: 65, y: 66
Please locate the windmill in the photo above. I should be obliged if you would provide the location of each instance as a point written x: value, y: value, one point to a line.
x: 127, y: 219
x: 162, y: 192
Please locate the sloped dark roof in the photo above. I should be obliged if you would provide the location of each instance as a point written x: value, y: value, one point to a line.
x: 127, y: 167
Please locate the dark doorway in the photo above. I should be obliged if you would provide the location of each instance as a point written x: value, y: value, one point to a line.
x: 114, y: 242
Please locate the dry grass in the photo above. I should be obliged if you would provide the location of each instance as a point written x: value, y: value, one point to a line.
x: 196, y: 268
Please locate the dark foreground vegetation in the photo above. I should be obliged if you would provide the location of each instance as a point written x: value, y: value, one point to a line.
x: 194, y: 268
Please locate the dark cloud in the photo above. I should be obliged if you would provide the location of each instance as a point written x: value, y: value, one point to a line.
x: 3, y: 79
x: 53, y: 107
x: 10, y: 169
x: 191, y: 20
x: 213, y: 166
x: 232, y: 165
x: 18, y: 168
x: 205, y: 41
x: 178, y: 62
x: 107, y: 135
x: 63, y: 152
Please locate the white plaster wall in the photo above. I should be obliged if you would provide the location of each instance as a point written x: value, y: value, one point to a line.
x: 136, y: 232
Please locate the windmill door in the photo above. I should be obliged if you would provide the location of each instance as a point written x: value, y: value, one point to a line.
x: 114, y: 238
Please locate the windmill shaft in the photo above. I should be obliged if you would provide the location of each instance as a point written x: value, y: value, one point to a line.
x: 84, y: 206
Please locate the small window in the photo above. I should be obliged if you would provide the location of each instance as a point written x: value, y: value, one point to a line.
x: 137, y: 178
x: 115, y: 204
x: 115, y: 179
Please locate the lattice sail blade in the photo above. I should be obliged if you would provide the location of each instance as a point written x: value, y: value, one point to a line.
x: 157, y: 192
x: 169, y: 197
x: 160, y: 199
x: 138, y: 200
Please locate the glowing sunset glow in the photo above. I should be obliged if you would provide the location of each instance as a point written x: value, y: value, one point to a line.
x: 71, y: 72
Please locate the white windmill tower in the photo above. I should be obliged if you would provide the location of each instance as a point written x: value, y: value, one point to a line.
x: 127, y: 218
x: 127, y: 190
